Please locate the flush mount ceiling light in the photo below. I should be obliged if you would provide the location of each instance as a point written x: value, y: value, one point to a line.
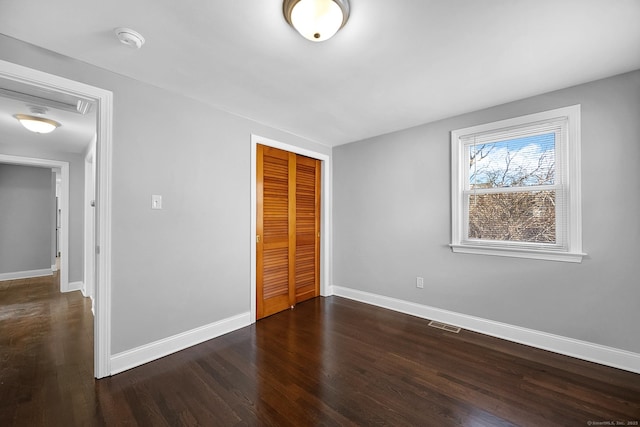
x: 129, y: 37
x: 316, y: 20
x: 37, y: 124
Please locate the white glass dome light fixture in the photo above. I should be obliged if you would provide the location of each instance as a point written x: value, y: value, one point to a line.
x: 37, y: 123
x: 316, y: 20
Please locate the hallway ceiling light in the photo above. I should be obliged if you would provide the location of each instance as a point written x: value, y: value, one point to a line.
x: 37, y: 124
x: 316, y: 20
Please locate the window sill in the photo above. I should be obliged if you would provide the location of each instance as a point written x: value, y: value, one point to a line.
x: 519, y: 253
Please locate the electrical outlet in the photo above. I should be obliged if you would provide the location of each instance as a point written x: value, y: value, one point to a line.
x: 419, y: 282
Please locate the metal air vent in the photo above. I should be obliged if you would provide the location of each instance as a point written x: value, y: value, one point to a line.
x: 444, y: 326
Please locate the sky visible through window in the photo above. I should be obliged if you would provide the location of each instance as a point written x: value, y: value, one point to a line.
x: 517, y: 162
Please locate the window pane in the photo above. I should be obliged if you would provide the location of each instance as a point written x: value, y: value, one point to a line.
x: 514, y: 162
x: 514, y: 216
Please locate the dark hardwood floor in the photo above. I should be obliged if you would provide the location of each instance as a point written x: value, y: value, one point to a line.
x: 331, y: 361
x: 46, y: 354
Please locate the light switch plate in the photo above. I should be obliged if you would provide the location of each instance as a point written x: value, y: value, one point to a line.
x: 156, y: 202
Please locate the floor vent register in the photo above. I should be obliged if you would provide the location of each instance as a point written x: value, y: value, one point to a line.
x: 444, y: 326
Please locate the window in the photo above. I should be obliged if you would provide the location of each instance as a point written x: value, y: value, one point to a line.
x: 516, y: 187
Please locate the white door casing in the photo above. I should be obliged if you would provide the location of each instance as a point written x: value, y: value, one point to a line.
x: 103, y: 100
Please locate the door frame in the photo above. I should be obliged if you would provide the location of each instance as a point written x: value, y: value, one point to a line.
x: 103, y: 100
x: 325, y: 220
x: 64, y: 205
x: 88, y: 290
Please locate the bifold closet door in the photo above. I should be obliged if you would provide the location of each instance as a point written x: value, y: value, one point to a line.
x: 288, y: 230
x: 307, y: 254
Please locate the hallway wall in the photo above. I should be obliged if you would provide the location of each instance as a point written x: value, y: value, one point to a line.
x: 26, y: 213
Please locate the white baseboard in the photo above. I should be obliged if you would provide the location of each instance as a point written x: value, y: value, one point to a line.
x: 584, y: 350
x: 146, y: 353
x: 26, y: 274
x: 73, y: 286
x: 54, y: 268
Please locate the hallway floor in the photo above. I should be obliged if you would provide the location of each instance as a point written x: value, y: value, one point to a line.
x: 46, y: 352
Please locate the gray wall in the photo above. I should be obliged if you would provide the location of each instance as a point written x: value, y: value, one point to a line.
x: 392, y: 223
x: 76, y: 196
x: 187, y: 265
x: 25, y: 218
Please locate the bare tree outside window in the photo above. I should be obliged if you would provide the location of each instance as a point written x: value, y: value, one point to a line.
x: 526, y: 212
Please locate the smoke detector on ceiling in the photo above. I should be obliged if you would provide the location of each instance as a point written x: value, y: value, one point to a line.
x: 129, y: 37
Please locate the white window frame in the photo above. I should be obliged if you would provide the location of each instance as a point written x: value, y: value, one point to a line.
x: 568, y: 247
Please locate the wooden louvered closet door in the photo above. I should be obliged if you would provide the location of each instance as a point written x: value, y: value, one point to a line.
x: 288, y: 230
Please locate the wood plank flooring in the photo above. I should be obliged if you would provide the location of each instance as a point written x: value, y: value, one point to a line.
x: 330, y: 362
x: 46, y: 353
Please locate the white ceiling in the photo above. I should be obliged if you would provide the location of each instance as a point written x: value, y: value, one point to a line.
x: 396, y: 64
